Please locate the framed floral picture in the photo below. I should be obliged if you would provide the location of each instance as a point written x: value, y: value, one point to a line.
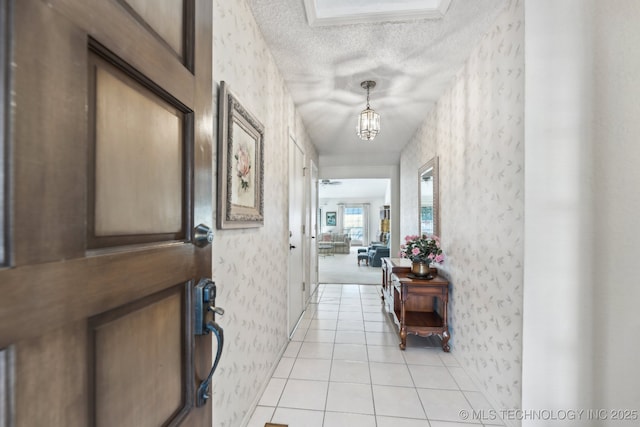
x: 240, y: 164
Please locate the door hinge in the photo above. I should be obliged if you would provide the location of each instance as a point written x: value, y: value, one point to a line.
x: 304, y: 229
x: 304, y: 286
x: 304, y: 171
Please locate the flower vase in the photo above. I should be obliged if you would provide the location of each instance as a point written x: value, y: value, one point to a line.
x: 421, y: 270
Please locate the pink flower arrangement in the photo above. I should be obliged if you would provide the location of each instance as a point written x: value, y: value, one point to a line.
x: 425, y: 248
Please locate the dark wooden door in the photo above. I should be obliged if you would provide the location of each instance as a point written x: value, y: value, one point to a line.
x: 107, y: 130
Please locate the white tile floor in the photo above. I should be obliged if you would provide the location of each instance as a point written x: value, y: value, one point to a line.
x: 343, y: 368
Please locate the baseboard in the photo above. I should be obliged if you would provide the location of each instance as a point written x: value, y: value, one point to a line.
x: 490, y: 398
x: 263, y: 387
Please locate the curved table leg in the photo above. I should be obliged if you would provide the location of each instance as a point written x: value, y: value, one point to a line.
x: 445, y: 341
x: 403, y: 338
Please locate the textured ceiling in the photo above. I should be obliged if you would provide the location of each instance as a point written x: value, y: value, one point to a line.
x: 413, y: 62
x: 331, y: 12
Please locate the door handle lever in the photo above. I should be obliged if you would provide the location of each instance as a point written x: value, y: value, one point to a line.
x: 217, y: 310
x: 204, y: 302
x: 204, y: 390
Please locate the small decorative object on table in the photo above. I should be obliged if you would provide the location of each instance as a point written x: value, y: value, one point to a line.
x: 422, y: 251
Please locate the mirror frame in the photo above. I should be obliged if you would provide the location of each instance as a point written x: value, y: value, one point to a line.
x: 431, y: 164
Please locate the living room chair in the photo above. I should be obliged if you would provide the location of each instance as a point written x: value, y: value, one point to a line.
x: 375, y: 255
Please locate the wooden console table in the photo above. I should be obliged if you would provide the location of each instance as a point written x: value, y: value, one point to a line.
x: 390, y: 266
x: 418, y: 306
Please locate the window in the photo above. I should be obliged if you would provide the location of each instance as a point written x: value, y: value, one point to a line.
x: 354, y: 222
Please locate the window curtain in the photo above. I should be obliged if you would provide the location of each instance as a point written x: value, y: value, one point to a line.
x: 365, y: 224
x: 340, y: 219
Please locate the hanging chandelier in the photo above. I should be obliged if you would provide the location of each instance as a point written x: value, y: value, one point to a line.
x: 368, y: 121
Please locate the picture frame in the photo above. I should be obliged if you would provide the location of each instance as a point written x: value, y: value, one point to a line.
x: 331, y: 219
x: 240, y: 201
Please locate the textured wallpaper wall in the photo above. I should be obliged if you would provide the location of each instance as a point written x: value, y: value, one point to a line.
x: 477, y: 130
x: 250, y: 265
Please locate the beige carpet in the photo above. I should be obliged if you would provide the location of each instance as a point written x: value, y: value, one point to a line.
x: 343, y: 268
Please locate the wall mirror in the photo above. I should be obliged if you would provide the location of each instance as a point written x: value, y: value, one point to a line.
x: 428, y: 199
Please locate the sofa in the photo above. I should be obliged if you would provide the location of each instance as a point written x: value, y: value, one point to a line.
x: 341, y: 243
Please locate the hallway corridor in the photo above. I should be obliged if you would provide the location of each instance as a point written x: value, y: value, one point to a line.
x: 343, y: 368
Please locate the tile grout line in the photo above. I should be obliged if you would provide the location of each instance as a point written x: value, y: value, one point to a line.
x: 366, y: 345
x: 295, y: 359
x: 415, y: 387
x: 326, y: 400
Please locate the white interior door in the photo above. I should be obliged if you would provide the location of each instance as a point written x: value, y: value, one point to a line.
x: 312, y: 211
x: 296, y: 241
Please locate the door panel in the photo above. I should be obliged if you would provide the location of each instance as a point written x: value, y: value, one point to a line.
x: 138, y: 170
x: 312, y: 210
x: 47, y: 157
x: 296, y: 241
x: 124, y: 382
x: 161, y: 17
x: 103, y: 332
x: 5, y: 41
x: 51, y: 384
x: 119, y: 30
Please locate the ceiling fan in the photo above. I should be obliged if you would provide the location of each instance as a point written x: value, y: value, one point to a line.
x: 329, y: 182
